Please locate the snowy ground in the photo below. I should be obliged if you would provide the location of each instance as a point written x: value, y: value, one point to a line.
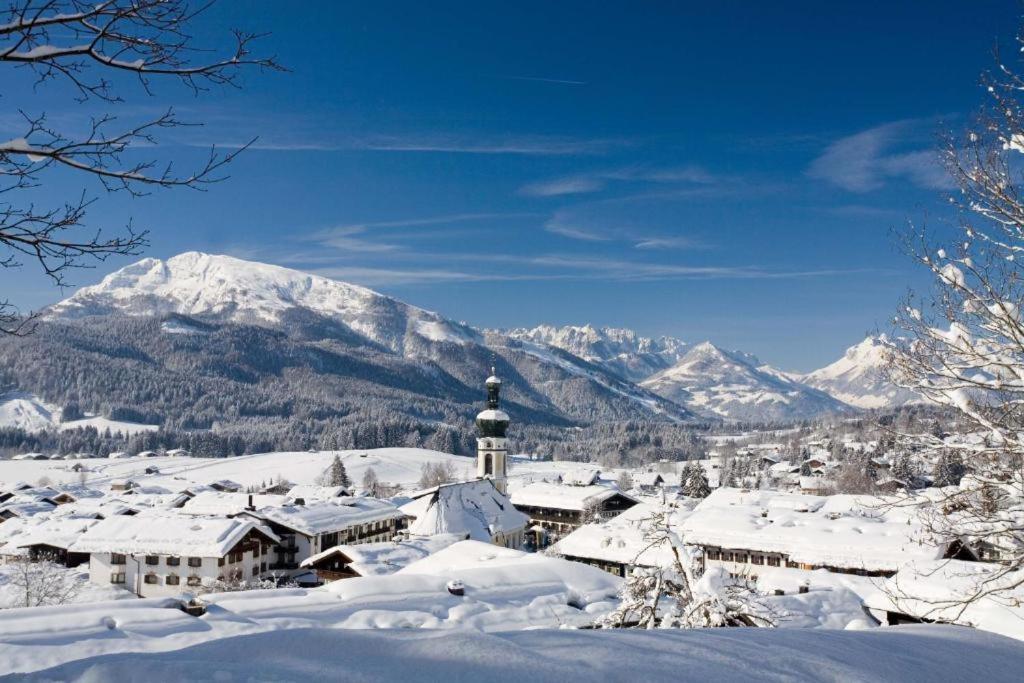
x: 11, y: 595
x: 392, y: 465
x: 909, y: 653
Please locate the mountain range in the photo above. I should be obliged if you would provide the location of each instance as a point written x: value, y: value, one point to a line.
x: 199, y: 341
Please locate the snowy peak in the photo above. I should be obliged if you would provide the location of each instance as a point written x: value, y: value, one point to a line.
x: 735, y: 385
x: 622, y: 351
x: 858, y: 378
x: 227, y: 288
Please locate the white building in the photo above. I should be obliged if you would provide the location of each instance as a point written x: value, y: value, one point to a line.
x: 308, y: 529
x: 746, y: 531
x: 164, y: 554
x: 491, y: 445
x: 475, y: 510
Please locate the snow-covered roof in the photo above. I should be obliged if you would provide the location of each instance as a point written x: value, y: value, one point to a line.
x: 168, y: 534
x: 378, y: 559
x: 59, y: 532
x: 622, y: 539
x: 648, y: 478
x: 25, y: 509
x: 213, y: 502
x: 326, y: 516
x: 559, y: 496
x: 852, y: 532
x: 492, y: 414
x: 938, y: 590
x: 310, y: 492
x: 473, y: 508
x: 582, y: 476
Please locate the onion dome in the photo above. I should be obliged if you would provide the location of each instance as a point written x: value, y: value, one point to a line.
x: 493, y: 421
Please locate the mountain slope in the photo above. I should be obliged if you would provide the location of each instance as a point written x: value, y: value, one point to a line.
x: 210, y: 310
x: 858, y: 378
x: 620, y: 350
x: 231, y: 289
x: 735, y: 385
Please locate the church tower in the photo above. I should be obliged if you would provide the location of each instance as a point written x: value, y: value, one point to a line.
x: 491, y: 445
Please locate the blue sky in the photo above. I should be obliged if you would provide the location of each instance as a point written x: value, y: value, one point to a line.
x: 730, y: 172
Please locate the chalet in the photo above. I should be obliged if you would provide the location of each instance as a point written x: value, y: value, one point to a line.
x: 215, y: 502
x: 44, y: 538
x: 226, y: 485
x: 583, y: 476
x: 122, y: 485
x: 178, y: 453
x: 555, y: 510
x: 622, y: 543
x: 649, y: 482
x: 156, y: 555
x: 311, y: 492
x: 307, y: 529
x: 950, y: 592
x: 374, y: 559
x: 12, y: 510
x: 474, y: 510
x: 750, y: 532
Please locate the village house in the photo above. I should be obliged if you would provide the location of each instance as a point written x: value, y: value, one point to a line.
x: 44, y: 537
x: 307, y: 529
x: 555, y: 510
x: 374, y: 559
x: 750, y: 532
x: 164, y: 554
x: 622, y: 543
x: 474, y: 510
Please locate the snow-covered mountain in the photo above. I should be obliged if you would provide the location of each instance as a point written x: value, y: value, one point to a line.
x: 195, y: 293
x: 736, y: 385
x: 858, y: 378
x: 231, y: 289
x: 620, y: 350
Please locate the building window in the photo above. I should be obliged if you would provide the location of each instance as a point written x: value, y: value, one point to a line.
x: 194, y: 581
x: 151, y: 579
x: 173, y: 580
x: 757, y: 559
x: 173, y: 561
x: 195, y: 562
x: 117, y: 577
x: 118, y: 558
x: 488, y: 464
x: 220, y: 561
x: 255, y: 570
x: 773, y: 561
x: 152, y: 559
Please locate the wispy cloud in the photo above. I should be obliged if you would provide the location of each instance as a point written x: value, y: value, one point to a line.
x: 595, y: 181
x: 868, y: 160
x: 525, y: 145
x: 669, y: 243
x: 553, y: 81
x: 539, y: 145
x: 560, y: 225
x: 372, y: 236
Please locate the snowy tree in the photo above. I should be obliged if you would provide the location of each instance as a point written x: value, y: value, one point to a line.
x: 625, y: 481
x: 694, y: 481
x: 436, y: 474
x: 949, y: 469
x: 676, y: 596
x: 904, y: 469
x: 370, y: 482
x: 84, y: 45
x: 335, y: 475
x: 963, y: 347
x: 40, y: 583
